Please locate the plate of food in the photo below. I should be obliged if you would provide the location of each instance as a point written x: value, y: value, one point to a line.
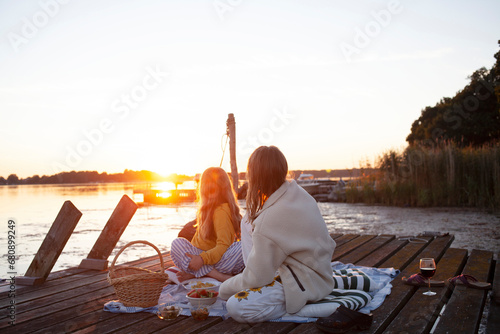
x: 198, y: 284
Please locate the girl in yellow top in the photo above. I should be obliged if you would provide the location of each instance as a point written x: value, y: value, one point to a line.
x: 214, y: 250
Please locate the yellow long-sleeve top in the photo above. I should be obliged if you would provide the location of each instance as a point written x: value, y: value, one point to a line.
x: 224, y: 236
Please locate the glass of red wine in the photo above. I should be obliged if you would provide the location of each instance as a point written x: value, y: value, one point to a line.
x: 428, y: 269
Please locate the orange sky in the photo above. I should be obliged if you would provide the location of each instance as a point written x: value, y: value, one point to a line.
x: 148, y: 85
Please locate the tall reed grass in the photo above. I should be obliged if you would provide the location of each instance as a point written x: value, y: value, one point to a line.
x: 447, y: 175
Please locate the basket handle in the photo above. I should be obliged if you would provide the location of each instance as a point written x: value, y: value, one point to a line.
x: 112, y: 267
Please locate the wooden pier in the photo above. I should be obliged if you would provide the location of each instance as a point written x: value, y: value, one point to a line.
x: 71, y: 301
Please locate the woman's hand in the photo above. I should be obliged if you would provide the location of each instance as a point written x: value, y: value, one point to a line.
x: 196, y: 262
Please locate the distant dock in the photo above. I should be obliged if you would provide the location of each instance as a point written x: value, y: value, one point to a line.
x: 164, y: 197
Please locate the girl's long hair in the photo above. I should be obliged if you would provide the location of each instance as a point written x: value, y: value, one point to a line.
x: 214, y: 190
x: 266, y: 172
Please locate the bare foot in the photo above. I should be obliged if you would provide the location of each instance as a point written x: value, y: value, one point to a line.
x: 218, y: 275
x: 182, y: 276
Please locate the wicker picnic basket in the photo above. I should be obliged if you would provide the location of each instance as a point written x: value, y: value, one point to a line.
x: 137, y: 286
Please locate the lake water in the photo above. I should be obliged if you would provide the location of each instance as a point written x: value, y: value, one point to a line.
x: 34, y: 208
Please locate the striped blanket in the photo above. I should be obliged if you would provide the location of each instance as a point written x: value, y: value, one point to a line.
x: 358, y: 288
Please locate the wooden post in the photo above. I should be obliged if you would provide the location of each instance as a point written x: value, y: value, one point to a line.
x: 121, y: 216
x: 52, y: 245
x: 231, y: 126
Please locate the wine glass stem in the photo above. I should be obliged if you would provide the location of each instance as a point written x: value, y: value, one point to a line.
x: 429, y: 284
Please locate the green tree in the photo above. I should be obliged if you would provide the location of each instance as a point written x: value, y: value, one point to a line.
x: 471, y: 117
x: 495, y: 73
x: 12, y: 179
x: 35, y: 179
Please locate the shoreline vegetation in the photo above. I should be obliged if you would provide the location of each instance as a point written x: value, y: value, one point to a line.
x: 443, y: 176
x: 148, y: 176
x: 95, y: 177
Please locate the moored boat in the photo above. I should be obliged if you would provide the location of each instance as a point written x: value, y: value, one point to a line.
x: 308, y: 182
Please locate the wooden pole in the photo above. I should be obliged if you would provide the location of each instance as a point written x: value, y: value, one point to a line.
x: 231, y: 125
x: 121, y: 216
x: 52, y: 245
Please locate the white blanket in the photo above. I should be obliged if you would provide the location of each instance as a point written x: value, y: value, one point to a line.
x: 175, y: 294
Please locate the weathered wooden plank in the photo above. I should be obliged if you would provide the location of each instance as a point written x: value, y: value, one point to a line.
x: 92, y: 277
x: 55, y: 275
x: 405, y: 255
x: 91, y: 322
x: 143, y: 322
x: 33, y: 315
x: 72, y: 295
x: 56, y: 289
x: 46, y: 301
x: 111, y: 233
x: 493, y: 325
x: 382, y: 254
x: 66, y: 312
x: 401, y: 293
x: 52, y: 288
x: 366, y: 249
x: 188, y: 325
x: 150, y: 324
x: 335, y: 235
x: 52, y: 245
x: 69, y: 278
x: 91, y: 303
x: 271, y: 327
x: 467, y: 302
x: 435, y: 249
x: 65, y: 273
x: 229, y: 326
x: 350, y: 246
x: 345, y: 238
x: 306, y: 329
x: 421, y: 311
x: 107, y: 322
x: 496, y: 282
x: 25, y: 313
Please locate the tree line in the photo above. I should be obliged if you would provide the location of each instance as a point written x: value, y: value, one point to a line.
x: 148, y: 176
x: 95, y: 177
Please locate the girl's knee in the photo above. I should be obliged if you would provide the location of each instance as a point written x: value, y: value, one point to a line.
x: 177, y: 251
x: 178, y: 244
x: 175, y: 244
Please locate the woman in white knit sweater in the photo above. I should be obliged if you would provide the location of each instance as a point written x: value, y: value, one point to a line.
x: 290, y: 239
